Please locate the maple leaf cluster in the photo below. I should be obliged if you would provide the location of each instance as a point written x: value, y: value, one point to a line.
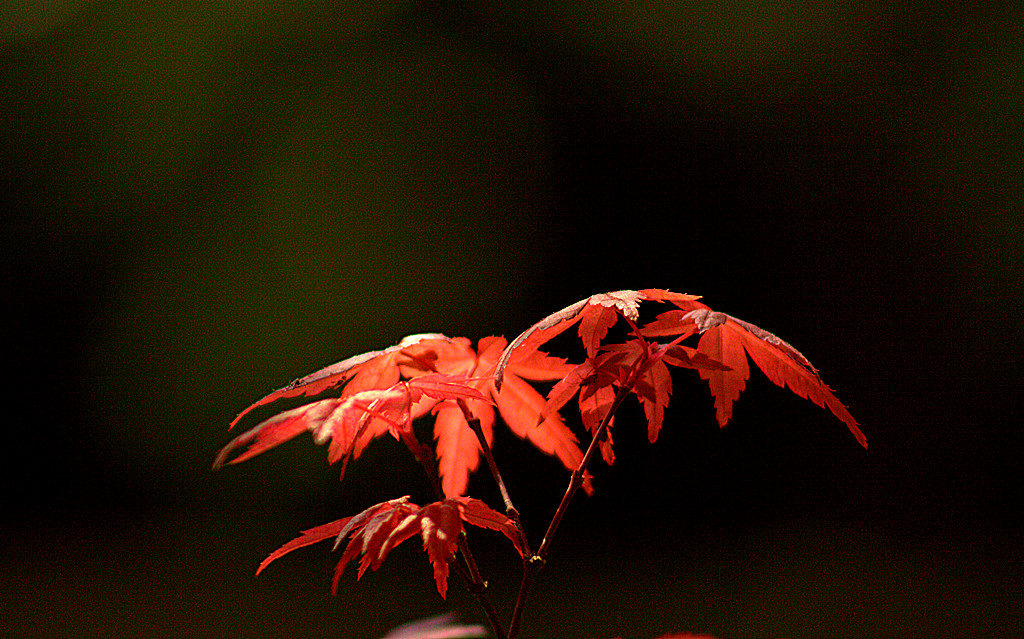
x: 377, y: 530
x: 465, y: 389
x: 386, y: 390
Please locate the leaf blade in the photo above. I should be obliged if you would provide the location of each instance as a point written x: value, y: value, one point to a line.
x: 306, y: 538
x: 337, y: 373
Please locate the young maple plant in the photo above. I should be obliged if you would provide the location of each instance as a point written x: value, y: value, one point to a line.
x: 466, y: 388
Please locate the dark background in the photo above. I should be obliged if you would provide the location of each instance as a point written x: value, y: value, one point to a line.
x: 207, y: 200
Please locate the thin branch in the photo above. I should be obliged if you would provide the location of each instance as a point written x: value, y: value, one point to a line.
x: 470, y: 572
x: 478, y: 588
x: 510, y: 510
x: 530, y: 568
x: 535, y: 562
x: 576, y: 480
x: 426, y: 459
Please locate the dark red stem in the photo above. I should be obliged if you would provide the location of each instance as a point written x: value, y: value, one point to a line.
x: 535, y: 562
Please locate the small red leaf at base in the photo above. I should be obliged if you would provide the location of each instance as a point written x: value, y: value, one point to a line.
x: 307, y: 538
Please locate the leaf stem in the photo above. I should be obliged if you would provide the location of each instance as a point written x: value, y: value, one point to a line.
x: 510, y: 510
x: 478, y: 588
x: 470, y: 572
x: 531, y: 567
x: 576, y: 480
x: 535, y: 562
x: 426, y: 459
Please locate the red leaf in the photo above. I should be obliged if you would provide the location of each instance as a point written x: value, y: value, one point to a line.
x: 378, y: 529
x: 368, y: 538
x: 594, y: 326
x: 568, y: 386
x: 444, y: 386
x: 653, y: 386
x: 682, y: 300
x: 350, y: 422
x: 476, y: 512
x: 625, y: 302
x: 596, y: 313
x: 520, y: 404
x: 726, y: 338
x: 370, y: 367
x: 276, y: 430
x: 654, y: 389
x: 686, y: 357
x: 307, y: 538
x: 439, y: 527
x: 365, y: 416
x: 593, y: 408
x: 675, y: 322
x: 726, y: 385
x: 636, y: 363
x: 458, y: 449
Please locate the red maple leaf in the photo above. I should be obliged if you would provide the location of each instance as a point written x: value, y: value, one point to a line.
x: 307, y: 538
x: 636, y: 364
x: 375, y: 369
x: 729, y: 340
x: 375, y: 400
x: 352, y: 420
x: 595, y: 314
x: 520, y: 405
x: 377, y: 530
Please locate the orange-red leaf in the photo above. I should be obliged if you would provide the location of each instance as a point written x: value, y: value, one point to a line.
x: 520, y: 404
x: 674, y: 322
x: 476, y: 512
x: 350, y: 422
x: 682, y: 300
x: 726, y: 385
x: 654, y: 388
x: 276, y: 430
x: 591, y: 309
x: 593, y: 408
x: 443, y: 386
x: 594, y: 326
x: 369, y: 530
x: 377, y: 530
x: 458, y: 449
x: 371, y: 367
x: 653, y: 385
x: 596, y: 315
x: 533, y: 365
x: 307, y: 538
x: 567, y: 387
x: 730, y: 340
x: 686, y: 357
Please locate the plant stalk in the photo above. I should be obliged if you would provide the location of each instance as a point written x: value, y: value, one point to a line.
x: 510, y: 510
x: 470, y: 572
x: 478, y: 588
x: 535, y: 562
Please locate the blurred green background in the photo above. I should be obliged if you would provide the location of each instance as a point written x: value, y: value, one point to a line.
x: 203, y: 201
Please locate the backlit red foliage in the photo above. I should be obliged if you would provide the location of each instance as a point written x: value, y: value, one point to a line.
x: 466, y: 389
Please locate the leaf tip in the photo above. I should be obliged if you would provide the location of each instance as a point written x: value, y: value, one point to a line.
x: 859, y: 434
